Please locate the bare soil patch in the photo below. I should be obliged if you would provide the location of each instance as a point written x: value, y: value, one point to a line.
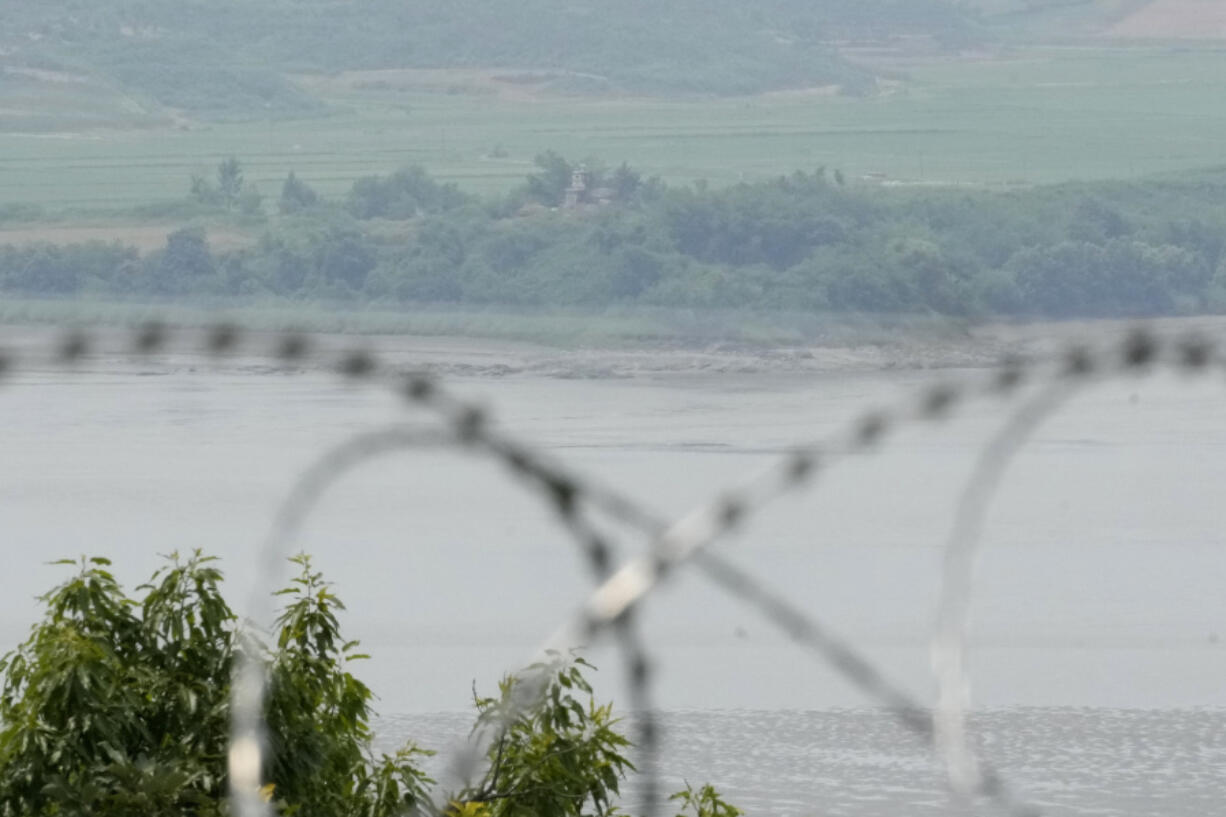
x: 42, y: 75
x: 144, y: 237
x: 512, y: 85
x: 1175, y: 19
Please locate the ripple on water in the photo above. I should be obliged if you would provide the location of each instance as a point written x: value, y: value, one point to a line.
x: 860, y: 763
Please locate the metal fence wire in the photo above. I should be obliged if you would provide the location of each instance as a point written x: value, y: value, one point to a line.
x: 1027, y: 391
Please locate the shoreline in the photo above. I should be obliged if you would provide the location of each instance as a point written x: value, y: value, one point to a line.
x: 572, y: 345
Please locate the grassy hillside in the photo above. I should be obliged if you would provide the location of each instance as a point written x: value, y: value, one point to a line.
x: 1177, y: 19
x: 109, y: 106
x: 224, y: 59
x: 1114, y: 20
x: 1024, y: 117
x: 73, y: 64
x: 1049, y: 20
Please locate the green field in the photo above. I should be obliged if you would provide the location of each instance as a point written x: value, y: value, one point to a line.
x: 1024, y: 116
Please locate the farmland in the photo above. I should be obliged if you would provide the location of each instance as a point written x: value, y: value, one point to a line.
x: 1016, y: 116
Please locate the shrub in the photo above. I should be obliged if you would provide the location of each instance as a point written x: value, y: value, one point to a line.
x: 119, y: 705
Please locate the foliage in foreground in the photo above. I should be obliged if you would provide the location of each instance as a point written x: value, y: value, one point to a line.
x: 119, y: 705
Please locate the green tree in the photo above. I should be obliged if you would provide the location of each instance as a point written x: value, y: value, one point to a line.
x: 251, y: 202
x: 1216, y: 291
x: 118, y: 705
x: 230, y: 181
x: 562, y: 757
x: 318, y: 715
x: 625, y: 182
x: 202, y: 191
x: 296, y: 195
x: 185, y: 265
x: 114, y: 702
x: 406, y: 193
x: 548, y: 185
x: 426, y: 268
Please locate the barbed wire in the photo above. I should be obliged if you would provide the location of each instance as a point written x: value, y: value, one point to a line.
x: 306, y: 495
x: 948, y: 647
x: 669, y: 545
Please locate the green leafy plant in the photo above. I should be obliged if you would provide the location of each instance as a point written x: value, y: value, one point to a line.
x: 703, y: 801
x: 119, y: 705
x: 114, y: 703
x: 319, y: 715
x: 562, y: 756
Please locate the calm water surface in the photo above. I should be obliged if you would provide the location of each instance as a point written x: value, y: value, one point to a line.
x: 1099, y: 618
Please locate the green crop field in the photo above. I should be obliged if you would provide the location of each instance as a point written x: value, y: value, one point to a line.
x: 1025, y: 116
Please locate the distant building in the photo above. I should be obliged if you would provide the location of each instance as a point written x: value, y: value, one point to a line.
x: 578, y: 187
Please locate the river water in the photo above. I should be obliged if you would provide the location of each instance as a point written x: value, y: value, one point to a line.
x: 1099, y: 619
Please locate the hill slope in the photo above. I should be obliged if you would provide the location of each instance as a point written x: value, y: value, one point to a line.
x: 1175, y: 19
x: 219, y: 58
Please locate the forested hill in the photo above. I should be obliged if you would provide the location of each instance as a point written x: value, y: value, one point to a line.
x: 225, y: 55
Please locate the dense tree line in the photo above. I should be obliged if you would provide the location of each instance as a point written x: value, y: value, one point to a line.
x: 810, y: 242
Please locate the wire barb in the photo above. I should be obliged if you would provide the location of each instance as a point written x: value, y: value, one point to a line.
x: 578, y: 502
